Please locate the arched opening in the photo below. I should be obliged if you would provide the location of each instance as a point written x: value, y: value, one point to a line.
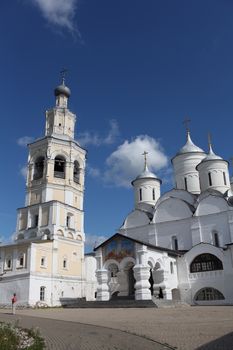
x: 209, y: 294
x: 131, y: 279
x: 38, y: 168
x: 59, y: 167
x: 215, y: 238
x: 76, y: 172
x: 206, y: 262
x: 175, y: 245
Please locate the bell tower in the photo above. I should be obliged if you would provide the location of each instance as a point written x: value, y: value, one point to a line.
x: 55, y: 179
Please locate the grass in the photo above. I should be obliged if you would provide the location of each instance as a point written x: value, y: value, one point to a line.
x: 13, y: 337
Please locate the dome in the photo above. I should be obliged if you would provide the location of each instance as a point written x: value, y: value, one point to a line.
x: 62, y: 90
x: 146, y: 174
x: 189, y: 147
x: 211, y: 156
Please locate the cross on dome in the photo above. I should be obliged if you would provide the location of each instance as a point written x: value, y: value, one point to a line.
x: 63, y: 73
x: 145, y: 159
x: 186, y: 124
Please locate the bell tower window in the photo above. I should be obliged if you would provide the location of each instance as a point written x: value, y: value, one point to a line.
x: 59, y: 167
x: 76, y: 172
x: 38, y: 168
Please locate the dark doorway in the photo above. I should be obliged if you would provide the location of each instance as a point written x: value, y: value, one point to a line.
x: 151, y: 280
x: 131, y: 281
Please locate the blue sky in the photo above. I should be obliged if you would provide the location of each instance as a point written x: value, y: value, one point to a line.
x: 136, y: 70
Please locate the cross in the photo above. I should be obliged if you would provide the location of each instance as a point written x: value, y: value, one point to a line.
x: 63, y: 75
x: 186, y: 124
x: 145, y: 159
x: 209, y: 139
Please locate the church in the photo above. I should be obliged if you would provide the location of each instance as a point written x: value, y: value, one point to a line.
x: 175, y: 246
x: 178, y: 245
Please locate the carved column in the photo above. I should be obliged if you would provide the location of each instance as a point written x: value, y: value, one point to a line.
x: 142, y: 274
x: 102, y: 285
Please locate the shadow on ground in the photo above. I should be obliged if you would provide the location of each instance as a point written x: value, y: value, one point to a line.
x: 222, y: 343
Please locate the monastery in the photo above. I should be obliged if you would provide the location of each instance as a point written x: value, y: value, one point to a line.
x: 175, y: 246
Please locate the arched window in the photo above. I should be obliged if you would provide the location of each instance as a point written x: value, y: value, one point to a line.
x: 215, y: 239
x: 113, y: 270
x: 20, y: 260
x: 171, y: 267
x: 185, y: 184
x: 224, y: 178
x: 206, y: 262
x: 59, y: 167
x: 42, y: 293
x: 209, y: 294
x: 76, y: 172
x: 38, y: 168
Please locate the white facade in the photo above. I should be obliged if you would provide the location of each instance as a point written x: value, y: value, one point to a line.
x: 182, y: 245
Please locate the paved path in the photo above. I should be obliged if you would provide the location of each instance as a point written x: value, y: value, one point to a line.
x: 66, y: 335
x: 202, y: 328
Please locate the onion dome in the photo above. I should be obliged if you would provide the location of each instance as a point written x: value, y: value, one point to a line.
x: 189, y: 147
x: 62, y: 90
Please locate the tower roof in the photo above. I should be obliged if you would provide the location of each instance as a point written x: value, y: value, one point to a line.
x: 62, y: 89
x: 146, y: 174
x: 189, y: 147
x: 211, y: 155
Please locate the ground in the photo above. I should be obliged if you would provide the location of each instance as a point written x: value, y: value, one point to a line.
x: 186, y: 328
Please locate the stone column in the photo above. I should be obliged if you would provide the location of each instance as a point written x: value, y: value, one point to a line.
x: 142, y: 274
x: 102, y: 285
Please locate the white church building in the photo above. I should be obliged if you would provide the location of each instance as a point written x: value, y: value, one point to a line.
x: 175, y: 246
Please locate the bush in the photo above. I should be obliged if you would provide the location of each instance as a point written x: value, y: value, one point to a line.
x: 13, y: 337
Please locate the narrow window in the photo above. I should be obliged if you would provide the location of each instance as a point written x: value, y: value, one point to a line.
x: 185, y: 184
x: 68, y: 221
x: 76, y: 172
x: 8, y: 263
x: 36, y: 220
x: 153, y: 194
x: 140, y: 194
x: 171, y: 267
x: 210, y: 180
x: 64, y: 264
x: 21, y: 261
x: 175, y: 243
x: 216, y: 239
x: 42, y: 293
x: 38, y: 168
x: 224, y: 178
x: 42, y: 262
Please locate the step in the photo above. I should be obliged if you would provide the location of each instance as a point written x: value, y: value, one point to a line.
x: 113, y: 303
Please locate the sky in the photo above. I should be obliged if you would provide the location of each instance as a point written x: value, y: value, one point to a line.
x: 136, y: 71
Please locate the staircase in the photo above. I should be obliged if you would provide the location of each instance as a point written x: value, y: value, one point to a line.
x: 162, y: 303
x: 117, y: 302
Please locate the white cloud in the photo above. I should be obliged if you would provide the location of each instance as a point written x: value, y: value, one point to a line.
x: 23, y: 171
x: 124, y: 164
x: 24, y: 140
x: 59, y: 13
x: 94, y: 240
x: 93, y: 138
x: 93, y: 172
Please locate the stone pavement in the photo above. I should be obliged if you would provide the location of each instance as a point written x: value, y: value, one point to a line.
x: 202, y: 328
x: 66, y: 335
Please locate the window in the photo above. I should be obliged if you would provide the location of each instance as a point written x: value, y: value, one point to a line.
x: 185, y: 184
x: 215, y: 239
x: 42, y: 262
x: 8, y: 263
x: 20, y: 261
x: 206, y: 262
x: 140, y: 194
x: 59, y: 167
x: 42, y: 293
x: 153, y: 194
x: 38, y: 168
x: 68, y: 218
x: 65, y: 263
x: 210, y: 180
x: 171, y: 267
x: 36, y: 220
x: 76, y: 172
x: 224, y: 178
x: 209, y: 294
x: 174, y: 243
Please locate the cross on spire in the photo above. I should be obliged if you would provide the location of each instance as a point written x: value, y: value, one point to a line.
x: 186, y: 124
x: 63, y: 75
x: 209, y: 140
x: 145, y: 159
